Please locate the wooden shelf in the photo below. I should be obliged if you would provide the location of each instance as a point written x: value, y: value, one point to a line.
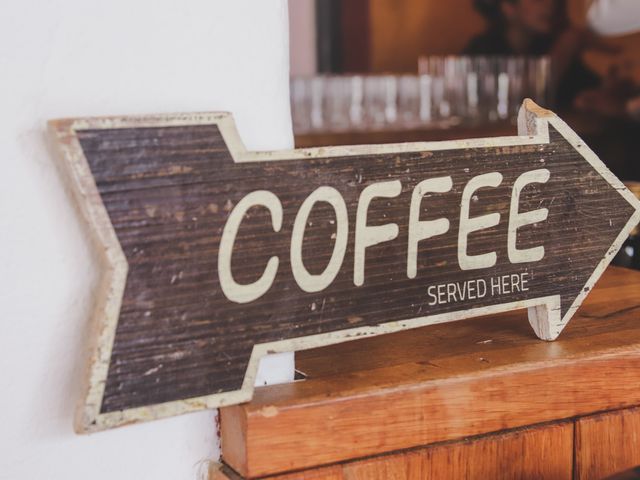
x: 442, y: 383
x: 584, y: 125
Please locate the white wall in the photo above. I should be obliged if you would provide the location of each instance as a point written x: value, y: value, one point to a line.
x: 94, y: 57
x: 302, y: 35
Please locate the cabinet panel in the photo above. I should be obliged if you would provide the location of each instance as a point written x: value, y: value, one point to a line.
x: 607, y: 444
x: 538, y: 453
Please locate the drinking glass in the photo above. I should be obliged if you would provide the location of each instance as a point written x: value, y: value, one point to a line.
x: 380, y: 100
x: 316, y: 114
x: 409, y: 101
x: 301, y: 104
x: 336, y: 103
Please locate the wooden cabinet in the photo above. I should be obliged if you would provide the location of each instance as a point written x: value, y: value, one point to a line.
x: 509, y: 455
x: 482, y: 398
x: 607, y: 443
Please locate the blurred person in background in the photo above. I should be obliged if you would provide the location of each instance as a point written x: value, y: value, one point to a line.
x: 619, y: 96
x: 540, y: 27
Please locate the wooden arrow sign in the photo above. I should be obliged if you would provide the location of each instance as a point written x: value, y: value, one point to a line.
x: 214, y: 256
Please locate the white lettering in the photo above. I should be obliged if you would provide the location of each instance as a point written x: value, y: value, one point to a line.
x: 422, y: 230
x: 232, y: 290
x: 517, y: 220
x: 367, y: 236
x: 430, y: 291
x: 469, y: 225
x: 305, y: 280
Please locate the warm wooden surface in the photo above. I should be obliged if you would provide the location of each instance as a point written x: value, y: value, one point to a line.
x: 442, y: 383
x: 607, y: 444
x: 515, y: 454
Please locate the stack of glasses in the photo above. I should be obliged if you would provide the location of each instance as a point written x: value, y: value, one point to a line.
x: 448, y: 91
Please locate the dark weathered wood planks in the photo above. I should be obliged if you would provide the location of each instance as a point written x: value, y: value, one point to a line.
x: 160, y: 193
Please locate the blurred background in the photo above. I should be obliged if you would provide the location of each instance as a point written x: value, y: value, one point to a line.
x: 377, y: 71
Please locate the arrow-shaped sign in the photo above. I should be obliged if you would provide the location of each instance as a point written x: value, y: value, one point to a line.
x: 214, y: 256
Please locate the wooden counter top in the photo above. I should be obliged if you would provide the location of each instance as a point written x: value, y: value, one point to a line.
x: 442, y: 383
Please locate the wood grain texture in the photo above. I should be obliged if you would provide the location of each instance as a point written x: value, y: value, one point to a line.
x: 323, y: 473
x: 335, y: 472
x: 544, y: 452
x: 161, y: 192
x: 607, y: 444
x: 443, y: 383
x: 539, y: 453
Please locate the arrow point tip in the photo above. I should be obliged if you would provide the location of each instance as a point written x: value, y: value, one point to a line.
x: 532, y: 108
